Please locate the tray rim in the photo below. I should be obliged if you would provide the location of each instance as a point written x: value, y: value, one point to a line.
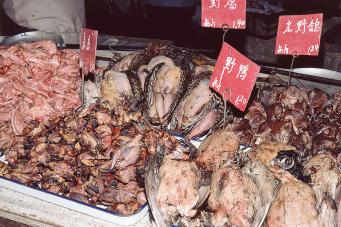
x: 74, y: 205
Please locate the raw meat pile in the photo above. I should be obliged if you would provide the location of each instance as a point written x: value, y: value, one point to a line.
x: 170, y: 86
x: 290, y: 177
x: 90, y: 156
x: 307, y: 120
x: 37, y: 81
x: 110, y: 154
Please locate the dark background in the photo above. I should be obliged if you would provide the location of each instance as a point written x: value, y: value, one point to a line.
x: 181, y: 25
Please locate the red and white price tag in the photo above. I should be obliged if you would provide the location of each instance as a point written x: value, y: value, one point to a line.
x: 299, y: 34
x: 88, y: 46
x: 216, y: 13
x: 234, y: 76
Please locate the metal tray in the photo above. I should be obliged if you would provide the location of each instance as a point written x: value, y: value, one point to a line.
x: 77, y: 206
x: 28, y: 37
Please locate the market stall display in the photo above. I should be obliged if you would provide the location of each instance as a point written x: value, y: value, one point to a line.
x: 88, y: 156
x: 288, y: 176
x: 121, y: 152
x: 173, y: 84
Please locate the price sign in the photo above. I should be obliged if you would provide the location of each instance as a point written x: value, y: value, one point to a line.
x: 216, y: 13
x: 88, y: 46
x: 299, y: 34
x: 234, y: 76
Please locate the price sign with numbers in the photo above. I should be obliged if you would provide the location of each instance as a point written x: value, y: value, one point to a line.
x: 88, y: 46
x: 234, y: 76
x: 299, y: 34
x: 216, y: 13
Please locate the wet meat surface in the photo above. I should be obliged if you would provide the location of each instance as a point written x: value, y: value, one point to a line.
x: 37, y: 82
x: 86, y: 156
x: 178, y: 190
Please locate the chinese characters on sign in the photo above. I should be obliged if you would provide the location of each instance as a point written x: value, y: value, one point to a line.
x: 88, y: 46
x: 216, y: 13
x: 230, y: 4
x: 299, y: 34
x: 234, y: 76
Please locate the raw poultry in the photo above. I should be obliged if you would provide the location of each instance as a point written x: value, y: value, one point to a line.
x: 291, y: 167
x: 99, y: 155
x: 175, y: 89
x: 37, y: 81
x: 89, y: 156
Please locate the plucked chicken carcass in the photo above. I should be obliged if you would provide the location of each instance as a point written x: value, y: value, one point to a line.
x: 234, y: 198
x: 241, y: 195
x: 164, y: 77
x: 289, y: 119
x: 171, y: 71
x: 326, y: 131
x: 217, y: 149
x: 294, y: 205
x: 306, y: 120
x: 178, y: 189
x: 275, y: 169
x: 326, y: 183
x: 175, y: 188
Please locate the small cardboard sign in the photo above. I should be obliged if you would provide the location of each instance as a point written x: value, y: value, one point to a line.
x: 88, y: 46
x: 299, y: 34
x: 234, y: 76
x: 216, y: 13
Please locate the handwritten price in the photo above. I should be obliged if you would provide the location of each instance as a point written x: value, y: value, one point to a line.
x: 240, y: 100
x: 313, y: 48
x: 240, y: 23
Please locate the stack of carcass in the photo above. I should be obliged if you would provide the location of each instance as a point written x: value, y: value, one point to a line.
x: 90, y: 156
x: 277, y: 164
x: 288, y: 176
x: 37, y: 81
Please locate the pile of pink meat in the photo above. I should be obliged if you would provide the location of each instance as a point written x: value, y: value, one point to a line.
x: 37, y: 81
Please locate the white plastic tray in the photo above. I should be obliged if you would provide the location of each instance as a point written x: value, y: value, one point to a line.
x: 75, y: 205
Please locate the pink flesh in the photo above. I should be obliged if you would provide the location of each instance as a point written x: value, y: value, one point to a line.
x: 180, y: 114
x: 11, y: 56
x: 204, y: 124
x: 167, y: 102
x: 128, y: 154
x: 339, y: 214
x: 38, y: 79
x: 142, y: 75
x: 153, y: 111
x: 159, y: 105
